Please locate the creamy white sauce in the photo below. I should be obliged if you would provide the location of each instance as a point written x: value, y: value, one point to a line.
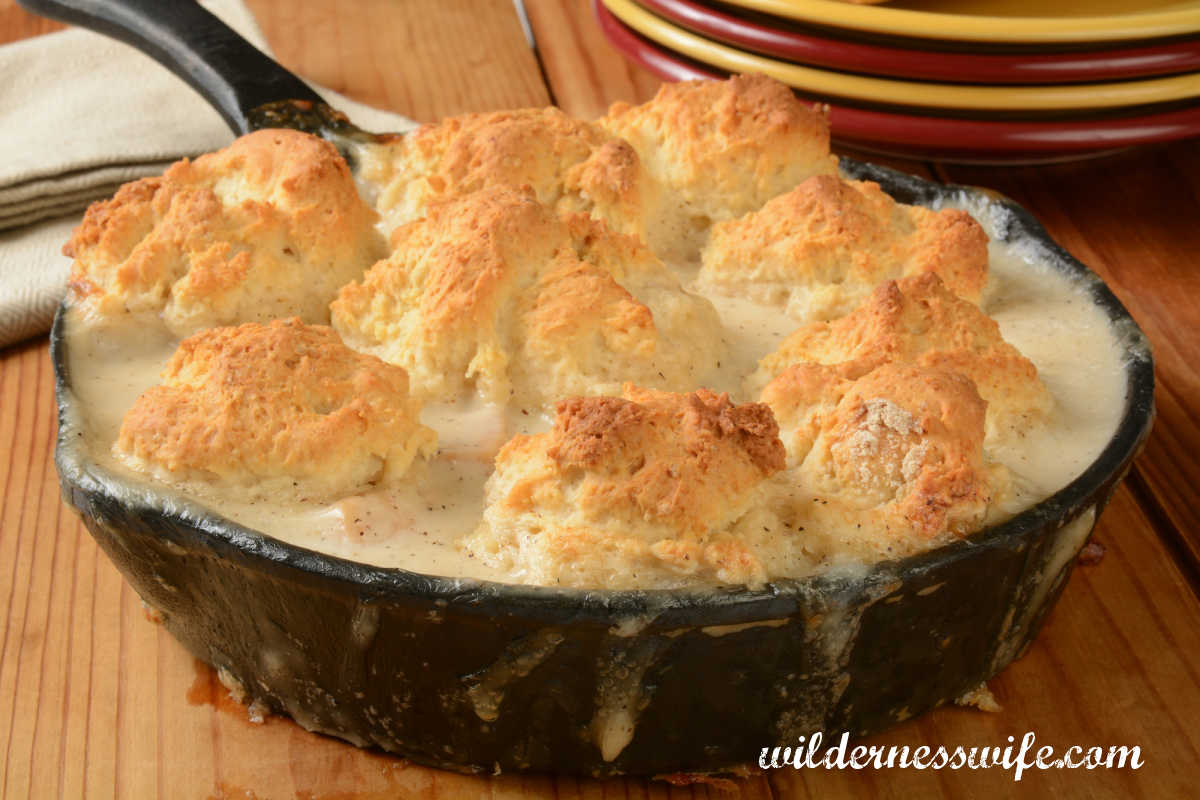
x: 1077, y: 356
x: 417, y: 525
x: 752, y: 331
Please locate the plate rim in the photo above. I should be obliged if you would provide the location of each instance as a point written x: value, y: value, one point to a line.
x: 1045, y: 97
x: 864, y: 127
x: 969, y: 27
x: 826, y: 50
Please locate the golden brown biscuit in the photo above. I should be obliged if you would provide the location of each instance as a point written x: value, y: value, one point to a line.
x: 278, y: 407
x: 494, y: 293
x: 720, y: 149
x: 572, y: 166
x: 269, y: 227
x: 916, y: 320
x: 805, y: 394
x: 886, y: 463
x: 645, y: 489
x: 821, y: 248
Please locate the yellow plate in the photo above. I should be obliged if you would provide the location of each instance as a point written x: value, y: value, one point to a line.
x: 1016, y: 21
x: 908, y: 93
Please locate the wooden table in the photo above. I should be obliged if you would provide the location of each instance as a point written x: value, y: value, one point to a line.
x: 96, y: 701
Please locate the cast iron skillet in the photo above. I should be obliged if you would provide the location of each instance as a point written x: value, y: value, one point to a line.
x: 473, y: 675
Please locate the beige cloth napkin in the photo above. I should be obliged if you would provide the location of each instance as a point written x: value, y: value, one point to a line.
x: 80, y: 114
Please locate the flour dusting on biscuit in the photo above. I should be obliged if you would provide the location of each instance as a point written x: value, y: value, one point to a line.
x: 886, y: 463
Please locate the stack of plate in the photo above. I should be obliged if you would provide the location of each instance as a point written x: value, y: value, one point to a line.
x: 958, y: 80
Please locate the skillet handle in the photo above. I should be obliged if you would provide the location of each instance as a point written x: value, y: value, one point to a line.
x: 234, y: 76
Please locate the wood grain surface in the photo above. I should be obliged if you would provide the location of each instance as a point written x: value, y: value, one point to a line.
x: 98, y: 701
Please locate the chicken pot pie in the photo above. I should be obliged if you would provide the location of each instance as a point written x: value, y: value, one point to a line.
x: 669, y: 347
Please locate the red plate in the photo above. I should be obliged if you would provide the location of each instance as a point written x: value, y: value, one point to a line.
x: 787, y: 41
x: 946, y: 139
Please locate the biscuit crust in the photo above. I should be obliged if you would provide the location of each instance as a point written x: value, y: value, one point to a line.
x: 720, y: 149
x: 819, y: 250
x: 917, y: 320
x: 268, y: 227
x: 282, y: 407
x: 651, y: 483
x: 494, y: 293
x: 572, y: 166
x: 884, y: 463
